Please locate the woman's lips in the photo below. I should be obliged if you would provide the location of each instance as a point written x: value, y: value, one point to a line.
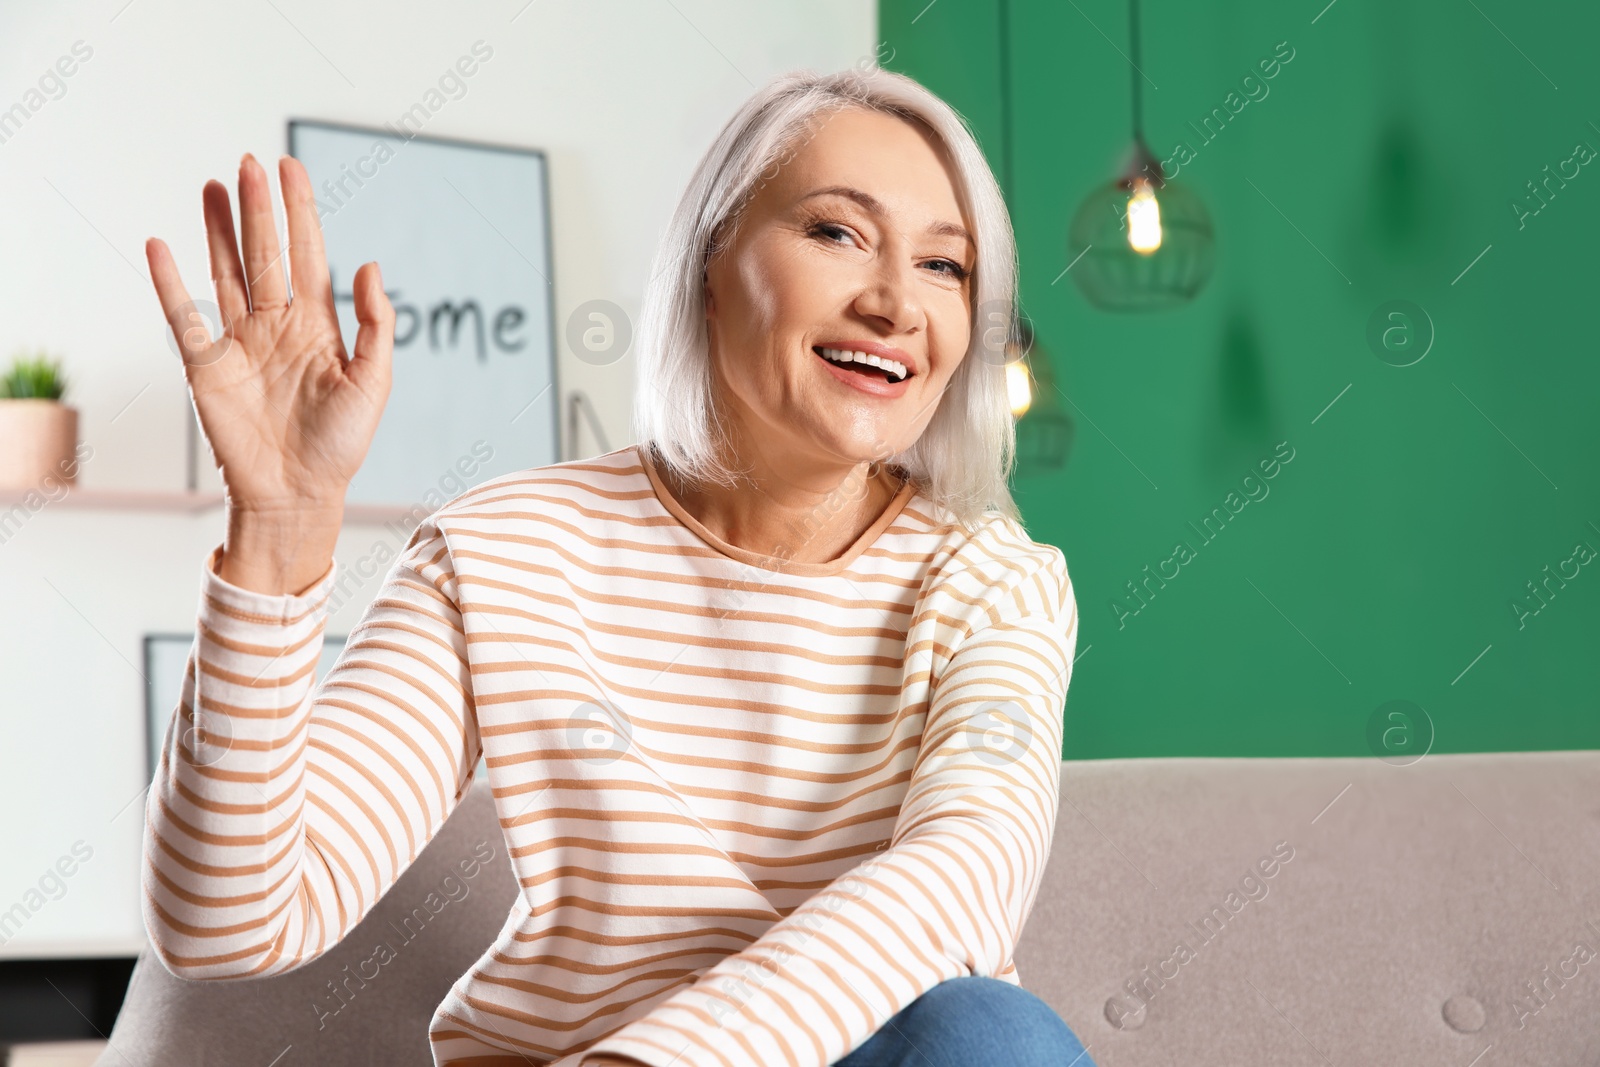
x: 870, y: 383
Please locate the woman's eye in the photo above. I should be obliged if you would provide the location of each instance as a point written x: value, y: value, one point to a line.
x: 830, y: 228
x: 833, y: 231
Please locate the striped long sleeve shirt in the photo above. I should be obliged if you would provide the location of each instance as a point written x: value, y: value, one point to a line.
x: 755, y: 807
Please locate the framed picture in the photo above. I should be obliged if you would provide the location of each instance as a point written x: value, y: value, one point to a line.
x: 461, y: 232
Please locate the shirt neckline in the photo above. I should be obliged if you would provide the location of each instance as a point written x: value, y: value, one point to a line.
x: 779, y: 564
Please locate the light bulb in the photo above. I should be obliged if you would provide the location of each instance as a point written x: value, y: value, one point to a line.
x: 1144, y: 218
x: 1018, y: 387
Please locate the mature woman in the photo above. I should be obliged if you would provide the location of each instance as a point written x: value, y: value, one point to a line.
x: 770, y: 702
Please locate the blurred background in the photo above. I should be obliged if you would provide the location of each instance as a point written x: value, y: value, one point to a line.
x: 1399, y: 278
x: 1308, y: 401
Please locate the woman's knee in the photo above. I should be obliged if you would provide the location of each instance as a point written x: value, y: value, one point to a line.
x: 977, y: 1019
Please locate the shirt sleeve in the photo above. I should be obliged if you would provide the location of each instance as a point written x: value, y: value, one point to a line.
x: 282, y: 810
x: 950, y: 893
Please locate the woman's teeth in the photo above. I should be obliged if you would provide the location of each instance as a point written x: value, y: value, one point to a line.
x: 894, y: 370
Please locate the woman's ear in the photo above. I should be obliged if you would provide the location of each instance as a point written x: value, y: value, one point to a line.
x: 714, y: 248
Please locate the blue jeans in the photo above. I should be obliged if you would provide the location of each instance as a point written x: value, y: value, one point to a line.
x: 972, y: 1021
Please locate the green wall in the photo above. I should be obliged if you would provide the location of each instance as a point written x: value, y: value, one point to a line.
x: 1386, y: 559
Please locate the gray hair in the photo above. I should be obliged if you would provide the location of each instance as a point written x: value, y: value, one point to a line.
x: 964, y: 455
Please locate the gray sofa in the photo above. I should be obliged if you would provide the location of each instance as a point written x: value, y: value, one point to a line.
x: 1196, y: 911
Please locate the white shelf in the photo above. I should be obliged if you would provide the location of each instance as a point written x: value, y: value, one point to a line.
x: 76, y: 949
x: 119, y: 499
x: 182, y: 502
x: 55, y: 1053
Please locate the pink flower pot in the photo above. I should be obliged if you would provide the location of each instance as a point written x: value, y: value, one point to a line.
x: 38, y: 440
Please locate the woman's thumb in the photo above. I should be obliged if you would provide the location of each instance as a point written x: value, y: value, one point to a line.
x: 371, y: 365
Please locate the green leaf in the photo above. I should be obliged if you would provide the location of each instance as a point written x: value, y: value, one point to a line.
x: 35, y: 378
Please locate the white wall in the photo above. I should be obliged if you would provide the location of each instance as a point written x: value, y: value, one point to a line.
x: 623, y: 95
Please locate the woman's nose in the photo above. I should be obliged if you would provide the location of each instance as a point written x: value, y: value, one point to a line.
x: 889, y: 295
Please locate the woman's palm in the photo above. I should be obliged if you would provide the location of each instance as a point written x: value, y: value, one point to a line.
x: 288, y: 414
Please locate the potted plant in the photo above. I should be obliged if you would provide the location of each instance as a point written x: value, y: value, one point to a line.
x: 38, y: 433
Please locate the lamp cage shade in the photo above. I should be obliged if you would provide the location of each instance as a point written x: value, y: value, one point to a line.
x: 1113, y: 275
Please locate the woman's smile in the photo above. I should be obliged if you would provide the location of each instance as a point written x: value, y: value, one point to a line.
x: 870, y: 373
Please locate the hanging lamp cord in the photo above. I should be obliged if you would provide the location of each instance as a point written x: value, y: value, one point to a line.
x: 1005, y: 98
x: 1138, y: 64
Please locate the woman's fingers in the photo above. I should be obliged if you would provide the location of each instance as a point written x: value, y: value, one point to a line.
x: 227, y: 275
x: 371, y: 363
x: 263, y: 259
x: 187, y: 325
x: 308, y: 260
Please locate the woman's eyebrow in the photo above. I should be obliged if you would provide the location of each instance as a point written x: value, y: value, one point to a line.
x: 874, y: 205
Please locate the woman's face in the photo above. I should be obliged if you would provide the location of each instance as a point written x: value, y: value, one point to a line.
x: 856, y: 240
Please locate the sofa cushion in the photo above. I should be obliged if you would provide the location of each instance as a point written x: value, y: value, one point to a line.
x: 1202, y: 912
x: 1428, y: 913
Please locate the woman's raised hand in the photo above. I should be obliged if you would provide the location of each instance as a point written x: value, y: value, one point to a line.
x: 289, y: 415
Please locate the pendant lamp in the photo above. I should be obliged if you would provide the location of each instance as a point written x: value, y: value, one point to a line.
x: 1044, y: 428
x: 1140, y: 242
